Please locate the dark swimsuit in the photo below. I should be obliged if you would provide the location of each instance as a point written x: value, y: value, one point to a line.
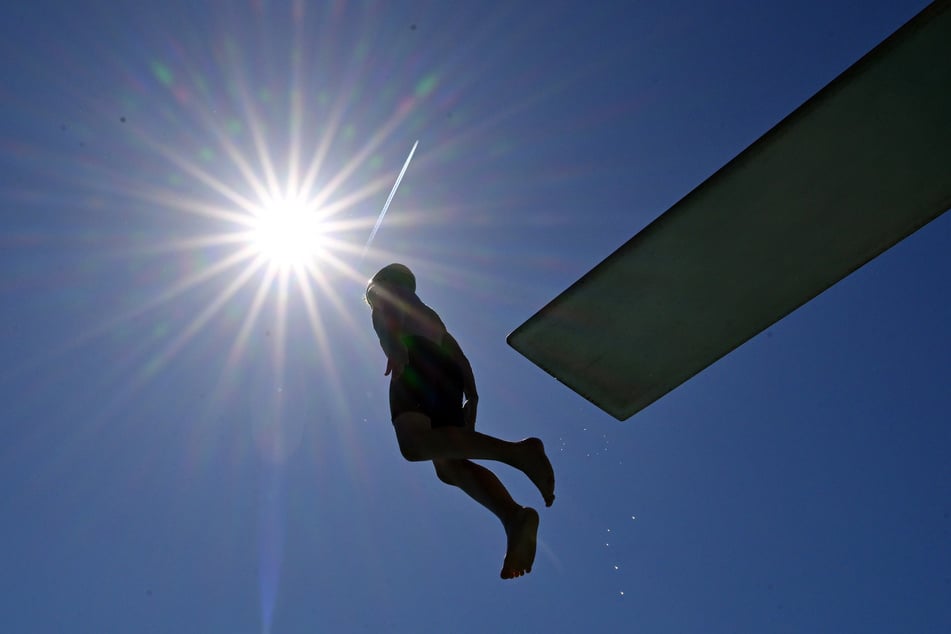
x: 431, y: 383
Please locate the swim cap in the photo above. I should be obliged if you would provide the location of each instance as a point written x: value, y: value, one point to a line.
x: 395, y: 274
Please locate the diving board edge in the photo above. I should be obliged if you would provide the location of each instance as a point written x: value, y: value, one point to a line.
x: 549, y: 338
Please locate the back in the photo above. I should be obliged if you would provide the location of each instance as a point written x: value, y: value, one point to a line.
x: 403, y: 313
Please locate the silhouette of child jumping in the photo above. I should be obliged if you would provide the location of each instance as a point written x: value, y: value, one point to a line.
x: 429, y: 377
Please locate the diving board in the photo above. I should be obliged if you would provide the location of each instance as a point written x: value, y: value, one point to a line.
x: 860, y: 166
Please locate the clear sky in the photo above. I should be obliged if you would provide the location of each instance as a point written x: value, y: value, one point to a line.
x: 194, y: 440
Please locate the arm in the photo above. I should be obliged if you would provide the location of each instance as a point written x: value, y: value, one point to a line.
x: 468, y: 380
x: 387, y: 322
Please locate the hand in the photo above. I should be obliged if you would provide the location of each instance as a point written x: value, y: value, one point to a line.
x: 396, y: 367
x: 469, y: 413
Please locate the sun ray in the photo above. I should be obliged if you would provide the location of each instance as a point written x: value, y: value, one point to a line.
x: 231, y: 151
x: 147, y: 192
x: 279, y: 350
x: 372, y: 188
x: 193, y: 243
x: 200, y: 320
x: 250, y: 319
x: 332, y: 126
x: 188, y: 283
x: 296, y: 117
x: 322, y: 346
x: 240, y: 162
x: 137, y: 381
x: 199, y: 174
x: 230, y: 368
x: 345, y: 225
x: 237, y: 158
x: 329, y: 294
x: 191, y: 206
x: 361, y: 155
x: 357, y: 282
x: 293, y: 159
x: 351, y: 248
x: 323, y: 147
x: 166, y: 296
x: 257, y: 133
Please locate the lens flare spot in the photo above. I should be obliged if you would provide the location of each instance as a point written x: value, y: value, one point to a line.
x: 162, y: 73
x: 426, y: 85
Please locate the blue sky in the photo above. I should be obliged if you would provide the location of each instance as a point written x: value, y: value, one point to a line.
x: 192, y: 445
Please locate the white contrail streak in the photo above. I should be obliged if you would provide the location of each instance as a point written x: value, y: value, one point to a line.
x: 389, y: 198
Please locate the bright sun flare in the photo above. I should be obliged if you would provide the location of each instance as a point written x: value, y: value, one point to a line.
x: 287, y: 233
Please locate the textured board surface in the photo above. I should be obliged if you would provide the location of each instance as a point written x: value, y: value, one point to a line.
x: 857, y: 168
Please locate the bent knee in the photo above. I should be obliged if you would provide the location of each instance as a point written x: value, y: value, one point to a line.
x: 411, y: 451
x: 445, y: 471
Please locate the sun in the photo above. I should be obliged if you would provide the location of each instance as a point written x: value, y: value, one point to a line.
x: 288, y: 233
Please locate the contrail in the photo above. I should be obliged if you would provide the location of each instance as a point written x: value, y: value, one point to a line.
x: 389, y: 198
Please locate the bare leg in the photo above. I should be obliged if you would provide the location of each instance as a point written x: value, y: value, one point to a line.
x: 481, y: 485
x: 418, y: 441
x: 521, y: 524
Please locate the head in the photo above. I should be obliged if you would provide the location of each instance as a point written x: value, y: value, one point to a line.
x: 391, y: 276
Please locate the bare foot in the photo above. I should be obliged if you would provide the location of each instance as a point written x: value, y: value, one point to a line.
x: 538, y: 468
x: 521, y: 533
